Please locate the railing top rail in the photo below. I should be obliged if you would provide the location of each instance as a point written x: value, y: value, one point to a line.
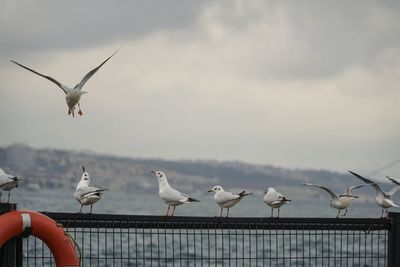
x: 194, y: 222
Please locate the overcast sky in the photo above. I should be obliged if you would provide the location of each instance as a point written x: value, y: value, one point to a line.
x: 306, y: 84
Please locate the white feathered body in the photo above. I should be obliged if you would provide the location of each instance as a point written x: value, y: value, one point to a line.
x: 274, y: 199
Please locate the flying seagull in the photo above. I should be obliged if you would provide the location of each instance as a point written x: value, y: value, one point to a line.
x: 339, y: 202
x: 383, y: 199
x: 170, y: 196
x: 86, y: 194
x: 72, y: 95
x: 7, y: 183
x: 275, y: 200
x: 226, y: 199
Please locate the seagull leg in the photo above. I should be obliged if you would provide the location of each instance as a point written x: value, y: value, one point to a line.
x: 338, y: 213
x: 220, y: 215
x: 1, y: 192
x: 80, y: 111
x: 173, y: 211
x: 8, y: 199
x: 227, y: 213
x: 168, y: 210
x: 278, y: 211
x: 80, y: 211
x: 345, y: 212
x: 91, y: 207
x: 382, y: 213
x: 272, y: 212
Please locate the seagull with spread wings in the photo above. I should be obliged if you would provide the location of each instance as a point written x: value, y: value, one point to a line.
x: 342, y: 201
x: 72, y: 95
x: 383, y: 199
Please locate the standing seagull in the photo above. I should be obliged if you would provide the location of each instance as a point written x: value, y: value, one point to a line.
x: 275, y: 200
x: 226, y: 199
x: 339, y: 202
x: 72, y: 96
x: 86, y: 194
x: 383, y: 199
x: 7, y: 183
x: 170, y: 196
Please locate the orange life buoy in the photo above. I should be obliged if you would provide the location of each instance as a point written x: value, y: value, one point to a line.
x: 14, y: 223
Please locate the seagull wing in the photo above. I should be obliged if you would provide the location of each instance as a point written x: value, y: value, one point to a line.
x: 368, y: 181
x: 330, y: 192
x: 353, y: 187
x: 88, y: 191
x: 170, y: 194
x: 1, y: 171
x: 91, y: 73
x: 63, y: 87
x: 224, y: 197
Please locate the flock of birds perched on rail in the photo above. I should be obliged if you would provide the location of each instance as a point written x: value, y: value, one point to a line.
x: 88, y: 195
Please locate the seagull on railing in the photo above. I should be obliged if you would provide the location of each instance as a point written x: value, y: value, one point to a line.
x: 170, y: 196
x: 383, y: 199
x: 342, y: 201
x: 7, y: 183
x: 275, y: 200
x: 226, y: 199
x: 86, y: 194
x: 72, y: 95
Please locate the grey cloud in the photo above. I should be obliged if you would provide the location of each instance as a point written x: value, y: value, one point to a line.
x: 28, y: 26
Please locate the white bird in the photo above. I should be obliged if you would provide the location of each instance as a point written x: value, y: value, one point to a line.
x: 7, y: 183
x: 342, y: 201
x: 275, y: 200
x: 72, y: 95
x: 86, y: 194
x: 226, y: 199
x: 170, y: 196
x: 383, y: 199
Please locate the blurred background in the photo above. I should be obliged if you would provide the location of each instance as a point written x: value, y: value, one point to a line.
x: 242, y: 94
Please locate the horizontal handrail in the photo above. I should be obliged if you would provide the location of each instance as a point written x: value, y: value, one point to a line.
x: 81, y: 220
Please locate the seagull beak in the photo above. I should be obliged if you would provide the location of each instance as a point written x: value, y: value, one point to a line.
x: 210, y: 191
x: 83, y: 168
x: 153, y: 172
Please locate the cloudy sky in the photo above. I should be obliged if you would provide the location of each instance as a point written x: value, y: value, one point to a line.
x: 291, y: 83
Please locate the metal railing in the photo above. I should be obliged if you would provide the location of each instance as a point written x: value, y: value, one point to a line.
x: 129, y: 240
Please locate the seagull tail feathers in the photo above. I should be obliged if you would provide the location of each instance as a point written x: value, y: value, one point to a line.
x: 243, y: 194
x: 193, y: 200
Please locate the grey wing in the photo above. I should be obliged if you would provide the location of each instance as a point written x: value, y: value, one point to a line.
x: 64, y: 88
x: 351, y: 188
x: 394, y: 189
x: 1, y: 171
x: 368, y: 181
x: 91, y: 73
x: 87, y: 191
x: 224, y: 197
x: 330, y: 192
x: 171, y: 194
x: 393, y: 180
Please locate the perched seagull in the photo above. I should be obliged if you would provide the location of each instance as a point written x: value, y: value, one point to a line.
x: 86, y: 194
x: 72, y: 95
x: 339, y: 202
x: 7, y: 183
x: 275, y: 200
x: 383, y: 199
x: 170, y: 196
x: 226, y: 199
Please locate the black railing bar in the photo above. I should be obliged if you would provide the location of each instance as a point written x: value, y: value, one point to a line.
x: 192, y: 219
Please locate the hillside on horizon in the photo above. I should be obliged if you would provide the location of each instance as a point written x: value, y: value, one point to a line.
x: 56, y: 168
